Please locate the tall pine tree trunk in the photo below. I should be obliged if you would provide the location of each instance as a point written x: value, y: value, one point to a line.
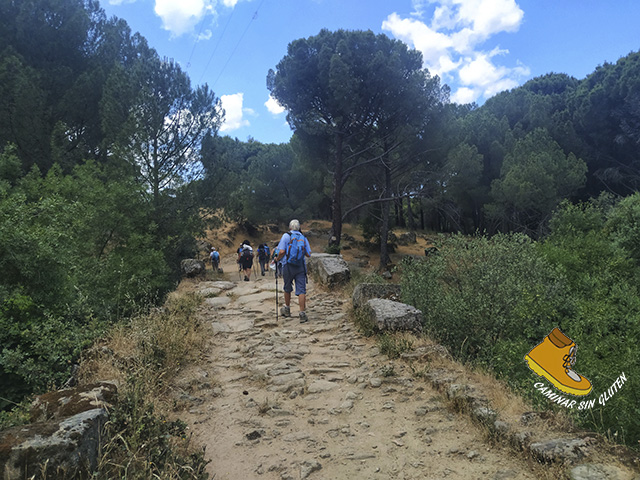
x: 336, y: 201
x: 410, y: 219
x: 386, y: 208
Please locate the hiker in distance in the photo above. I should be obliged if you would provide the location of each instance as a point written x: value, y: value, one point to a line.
x: 274, y: 264
x: 263, y: 257
x: 215, y: 259
x: 245, y: 259
x: 292, y: 249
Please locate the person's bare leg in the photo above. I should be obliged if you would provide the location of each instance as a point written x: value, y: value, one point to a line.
x: 302, y: 300
x: 287, y: 299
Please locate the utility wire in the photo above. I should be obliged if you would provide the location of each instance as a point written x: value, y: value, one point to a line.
x: 255, y: 15
x: 197, y: 40
x: 217, y: 45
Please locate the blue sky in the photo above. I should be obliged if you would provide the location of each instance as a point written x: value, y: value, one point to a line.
x: 477, y: 47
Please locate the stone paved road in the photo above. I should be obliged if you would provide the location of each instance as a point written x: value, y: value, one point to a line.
x: 283, y: 400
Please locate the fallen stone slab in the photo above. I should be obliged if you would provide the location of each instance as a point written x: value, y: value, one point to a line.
x: 388, y: 315
x: 562, y: 450
x: 368, y: 291
x: 69, y: 447
x: 331, y: 270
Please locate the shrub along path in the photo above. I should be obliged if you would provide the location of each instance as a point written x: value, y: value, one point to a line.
x: 284, y: 400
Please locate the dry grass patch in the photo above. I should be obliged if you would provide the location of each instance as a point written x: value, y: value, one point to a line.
x: 145, y: 356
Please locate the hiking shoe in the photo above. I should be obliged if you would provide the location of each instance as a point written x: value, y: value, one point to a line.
x: 303, y: 317
x: 246, y: 279
x: 285, y: 311
x: 553, y: 359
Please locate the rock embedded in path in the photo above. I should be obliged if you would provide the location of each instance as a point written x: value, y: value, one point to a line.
x: 308, y: 467
x: 331, y: 270
x: 393, y: 316
x: 221, y: 285
x: 217, y: 301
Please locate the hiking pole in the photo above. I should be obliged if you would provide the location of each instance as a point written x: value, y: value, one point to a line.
x: 276, y: 292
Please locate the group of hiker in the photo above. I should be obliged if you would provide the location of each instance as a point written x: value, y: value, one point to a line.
x: 287, y: 261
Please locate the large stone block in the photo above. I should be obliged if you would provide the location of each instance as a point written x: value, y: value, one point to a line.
x: 367, y: 291
x: 331, y: 270
x: 191, y: 267
x: 71, y: 401
x: 64, y: 440
x: 394, y: 316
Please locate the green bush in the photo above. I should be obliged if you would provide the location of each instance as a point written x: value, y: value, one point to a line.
x: 491, y: 300
x: 77, y: 252
x: 595, y: 246
x: 480, y: 292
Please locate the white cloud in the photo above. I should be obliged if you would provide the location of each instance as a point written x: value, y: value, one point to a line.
x: 451, y: 42
x: 465, y: 95
x: 181, y: 16
x: 273, y: 106
x: 206, y: 35
x: 234, y: 113
x: 433, y: 45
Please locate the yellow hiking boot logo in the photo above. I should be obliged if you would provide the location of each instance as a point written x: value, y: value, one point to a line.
x: 553, y: 359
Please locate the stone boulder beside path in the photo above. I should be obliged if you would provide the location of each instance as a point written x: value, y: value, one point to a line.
x: 388, y: 315
x: 191, y: 267
x: 379, y: 303
x: 330, y: 270
x: 64, y: 439
x: 366, y: 291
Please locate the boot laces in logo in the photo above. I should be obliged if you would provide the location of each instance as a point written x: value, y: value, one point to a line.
x: 554, y: 359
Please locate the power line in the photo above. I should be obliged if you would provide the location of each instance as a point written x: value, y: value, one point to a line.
x: 255, y: 15
x: 196, y: 41
x: 216, y: 47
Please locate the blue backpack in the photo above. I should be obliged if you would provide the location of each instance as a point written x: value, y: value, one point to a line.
x: 296, y: 249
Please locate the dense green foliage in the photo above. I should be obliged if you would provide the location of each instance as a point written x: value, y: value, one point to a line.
x: 98, y: 137
x: 491, y: 300
x: 76, y: 252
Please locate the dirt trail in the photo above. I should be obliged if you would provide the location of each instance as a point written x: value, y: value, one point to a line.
x: 284, y: 400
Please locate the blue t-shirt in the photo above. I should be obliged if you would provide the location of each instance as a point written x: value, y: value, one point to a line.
x: 284, y: 244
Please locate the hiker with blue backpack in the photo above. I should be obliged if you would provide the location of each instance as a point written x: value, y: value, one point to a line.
x: 292, y: 250
x: 215, y: 259
x: 263, y: 257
